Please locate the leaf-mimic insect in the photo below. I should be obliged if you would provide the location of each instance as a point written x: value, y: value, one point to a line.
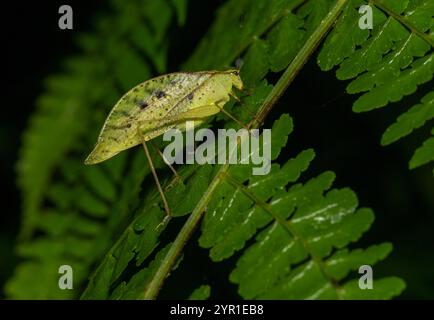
x: 160, y: 104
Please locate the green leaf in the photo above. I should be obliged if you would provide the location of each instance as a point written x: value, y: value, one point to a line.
x: 423, y: 154
x: 384, y: 288
x: 201, y: 293
x: 242, y: 22
x: 181, y: 10
x: 385, y: 34
x: 134, y: 289
x: 388, y: 62
x: 227, y: 228
x: 183, y: 197
x: 341, y: 44
x: 314, y: 12
x: 255, y: 69
x: 342, y: 262
x: 406, y: 83
x: 285, y: 39
x: 412, y: 119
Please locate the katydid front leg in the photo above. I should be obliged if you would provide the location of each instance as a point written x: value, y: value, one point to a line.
x: 157, y: 182
x: 220, y: 103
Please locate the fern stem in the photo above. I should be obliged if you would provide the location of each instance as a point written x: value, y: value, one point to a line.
x: 404, y: 22
x: 288, y: 76
x: 183, y: 236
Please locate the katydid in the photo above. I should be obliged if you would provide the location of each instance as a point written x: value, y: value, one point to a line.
x: 152, y: 108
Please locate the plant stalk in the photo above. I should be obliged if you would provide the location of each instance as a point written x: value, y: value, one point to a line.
x: 285, y: 80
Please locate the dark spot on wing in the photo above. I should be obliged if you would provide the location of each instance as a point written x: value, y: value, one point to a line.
x: 160, y: 94
x: 142, y: 104
x: 190, y: 96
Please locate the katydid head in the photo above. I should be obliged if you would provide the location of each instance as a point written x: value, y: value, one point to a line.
x: 235, y: 78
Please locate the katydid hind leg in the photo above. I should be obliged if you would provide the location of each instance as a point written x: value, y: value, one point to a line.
x: 157, y: 181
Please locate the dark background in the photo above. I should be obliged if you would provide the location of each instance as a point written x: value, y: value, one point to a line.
x: 345, y: 142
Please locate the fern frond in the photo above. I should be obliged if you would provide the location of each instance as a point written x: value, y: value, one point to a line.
x: 299, y: 223
x: 141, y: 238
x: 412, y: 119
x: 423, y: 154
x: 298, y: 233
x: 242, y: 26
x: 201, y: 293
x: 400, y: 47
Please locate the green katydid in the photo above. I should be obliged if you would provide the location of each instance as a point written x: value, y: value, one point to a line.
x: 152, y: 108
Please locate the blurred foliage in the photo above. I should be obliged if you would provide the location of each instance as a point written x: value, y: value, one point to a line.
x: 292, y: 237
x: 80, y: 211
